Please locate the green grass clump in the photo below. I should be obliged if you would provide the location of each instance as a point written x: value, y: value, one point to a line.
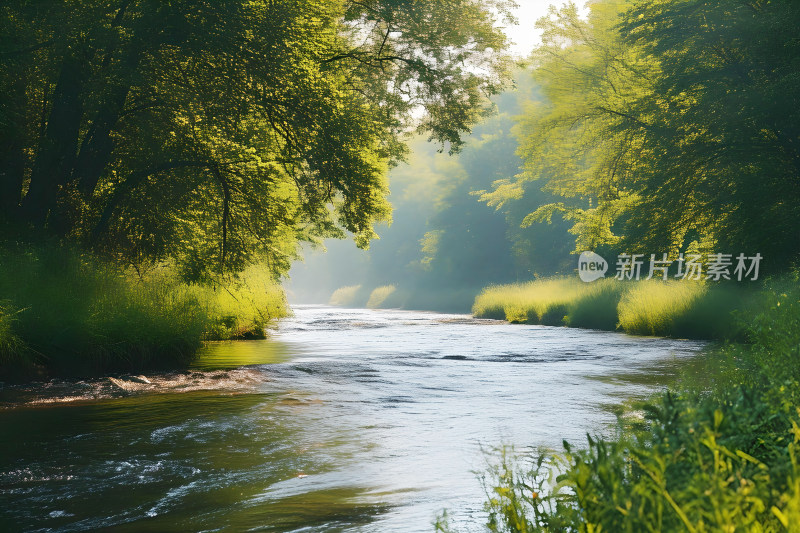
x: 683, y: 309
x: 77, y: 315
x: 13, y: 353
x: 721, y: 454
x: 348, y: 296
x: 68, y: 313
x: 380, y: 295
x: 534, y: 302
x: 595, y: 306
x: 243, y: 307
x: 651, y: 307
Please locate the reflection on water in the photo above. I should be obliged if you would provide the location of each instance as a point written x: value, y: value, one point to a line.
x: 232, y: 354
x: 348, y: 420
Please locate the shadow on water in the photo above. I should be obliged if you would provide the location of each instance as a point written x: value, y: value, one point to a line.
x: 175, y: 462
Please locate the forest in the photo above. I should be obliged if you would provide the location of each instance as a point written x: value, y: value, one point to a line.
x: 174, y: 173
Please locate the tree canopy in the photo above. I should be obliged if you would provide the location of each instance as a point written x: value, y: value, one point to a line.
x: 668, y: 126
x: 212, y: 133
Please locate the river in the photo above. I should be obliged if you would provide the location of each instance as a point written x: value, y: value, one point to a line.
x: 344, y: 420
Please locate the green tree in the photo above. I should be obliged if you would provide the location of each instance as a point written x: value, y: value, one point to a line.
x: 668, y: 126
x: 212, y: 133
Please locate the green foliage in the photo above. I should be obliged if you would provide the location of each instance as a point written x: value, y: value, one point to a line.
x: 443, y: 244
x: 243, y: 307
x: 69, y: 313
x: 216, y: 134
x: 651, y: 307
x: 666, y: 125
x: 533, y: 302
x: 13, y: 353
x: 78, y: 315
x: 596, y: 307
x: 676, y: 308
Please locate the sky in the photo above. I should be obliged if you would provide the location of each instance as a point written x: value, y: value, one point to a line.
x: 524, y: 35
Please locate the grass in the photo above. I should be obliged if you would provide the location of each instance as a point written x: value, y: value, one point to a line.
x: 68, y: 313
x: 379, y: 296
x: 719, y: 453
x: 348, y: 296
x: 653, y: 307
x: 243, y: 307
x: 673, y: 308
x: 534, y: 302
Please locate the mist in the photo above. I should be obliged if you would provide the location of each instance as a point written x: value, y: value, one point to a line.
x: 446, y: 241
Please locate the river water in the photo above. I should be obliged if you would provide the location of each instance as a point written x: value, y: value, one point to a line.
x: 345, y: 420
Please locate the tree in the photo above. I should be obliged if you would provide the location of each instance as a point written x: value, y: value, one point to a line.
x: 211, y: 133
x: 669, y: 126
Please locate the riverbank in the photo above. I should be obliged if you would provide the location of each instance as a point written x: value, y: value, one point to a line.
x: 717, y: 453
x: 666, y: 309
x: 66, y: 313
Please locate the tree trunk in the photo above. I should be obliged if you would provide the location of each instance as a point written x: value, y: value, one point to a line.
x: 56, y: 156
x: 12, y: 151
x: 97, y: 146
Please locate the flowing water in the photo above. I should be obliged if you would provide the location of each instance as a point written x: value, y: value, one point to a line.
x: 345, y: 420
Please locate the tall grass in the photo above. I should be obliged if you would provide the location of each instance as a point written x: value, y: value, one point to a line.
x: 672, y: 308
x: 652, y: 307
x: 69, y: 313
x: 534, y: 302
x: 380, y: 295
x: 595, y: 306
x: 348, y: 296
x: 243, y: 307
